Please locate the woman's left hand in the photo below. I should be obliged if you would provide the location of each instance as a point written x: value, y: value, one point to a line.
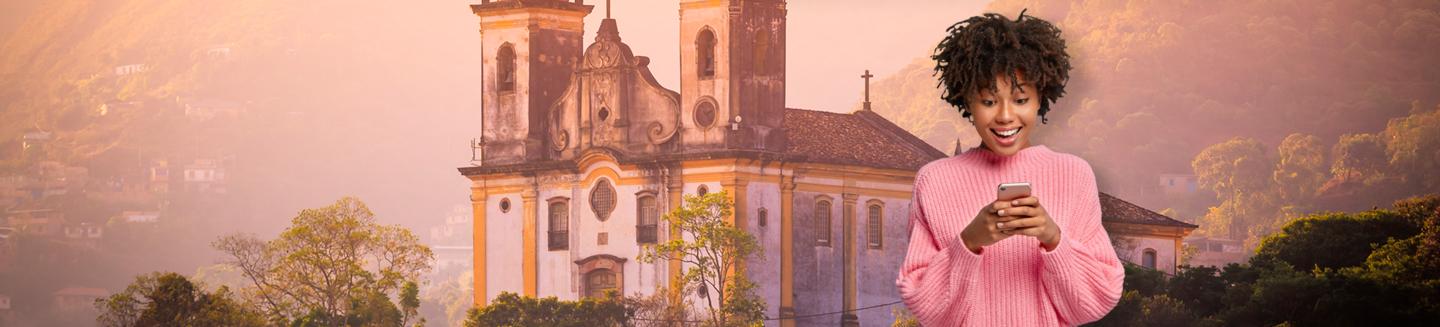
x: 1030, y: 219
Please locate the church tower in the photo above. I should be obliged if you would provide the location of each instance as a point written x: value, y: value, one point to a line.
x: 732, y: 74
x: 530, y: 49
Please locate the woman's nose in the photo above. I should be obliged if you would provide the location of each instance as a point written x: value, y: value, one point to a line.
x: 1006, y: 113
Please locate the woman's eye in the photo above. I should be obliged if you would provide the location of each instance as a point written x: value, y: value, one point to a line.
x: 987, y: 103
x: 1022, y: 100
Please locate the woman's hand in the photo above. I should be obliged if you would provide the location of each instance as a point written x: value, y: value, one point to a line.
x: 1025, y: 216
x: 1001, y: 219
x: 986, y: 229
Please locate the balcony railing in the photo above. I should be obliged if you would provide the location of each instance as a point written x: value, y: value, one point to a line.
x: 559, y: 240
x: 646, y: 234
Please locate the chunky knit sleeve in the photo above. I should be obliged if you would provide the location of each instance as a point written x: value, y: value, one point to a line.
x: 938, y: 273
x: 1082, y: 276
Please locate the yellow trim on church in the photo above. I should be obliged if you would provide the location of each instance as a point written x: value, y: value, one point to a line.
x: 477, y: 203
x: 734, y: 175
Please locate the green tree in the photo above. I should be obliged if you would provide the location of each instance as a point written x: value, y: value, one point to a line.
x: 333, y: 266
x: 1240, y: 174
x: 1238, y: 165
x: 511, y: 310
x: 1301, y: 169
x: 410, y: 302
x: 714, y: 250
x: 1412, y: 259
x: 1359, y: 158
x: 1200, y: 288
x: 170, y: 299
x: 1413, y: 147
x: 1335, y: 240
x: 1144, y: 280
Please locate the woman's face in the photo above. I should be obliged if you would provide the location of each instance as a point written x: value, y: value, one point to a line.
x: 1005, y: 119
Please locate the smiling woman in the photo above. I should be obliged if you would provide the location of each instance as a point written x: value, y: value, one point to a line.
x: 987, y: 59
x: 963, y: 266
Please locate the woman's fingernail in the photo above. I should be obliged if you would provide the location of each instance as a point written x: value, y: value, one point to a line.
x: 1001, y: 212
x: 1015, y: 203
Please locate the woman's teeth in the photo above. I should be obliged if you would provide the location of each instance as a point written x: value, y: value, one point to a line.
x: 1006, y: 133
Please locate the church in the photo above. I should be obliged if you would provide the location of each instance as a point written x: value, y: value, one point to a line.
x: 582, y: 152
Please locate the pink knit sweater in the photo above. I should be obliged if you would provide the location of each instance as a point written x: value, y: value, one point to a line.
x: 1014, y: 282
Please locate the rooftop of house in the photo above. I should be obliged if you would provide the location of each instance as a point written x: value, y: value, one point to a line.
x: 1115, y: 210
x: 861, y: 138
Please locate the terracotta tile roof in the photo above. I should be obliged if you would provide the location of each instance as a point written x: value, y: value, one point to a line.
x: 861, y: 138
x: 1115, y: 210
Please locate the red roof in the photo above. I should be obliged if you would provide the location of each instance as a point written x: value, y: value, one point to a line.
x: 1115, y: 210
x: 860, y: 138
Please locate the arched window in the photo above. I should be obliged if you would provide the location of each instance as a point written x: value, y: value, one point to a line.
x: 702, y: 190
x: 598, y: 281
x: 875, y: 226
x: 762, y: 51
x: 705, y: 53
x: 1147, y: 258
x: 559, y: 224
x: 761, y: 216
x: 505, y: 67
x: 647, y: 219
x: 822, y: 222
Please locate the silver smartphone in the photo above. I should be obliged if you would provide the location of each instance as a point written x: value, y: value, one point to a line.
x: 1011, y: 191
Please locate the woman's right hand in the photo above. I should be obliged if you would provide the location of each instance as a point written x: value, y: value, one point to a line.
x: 984, y: 230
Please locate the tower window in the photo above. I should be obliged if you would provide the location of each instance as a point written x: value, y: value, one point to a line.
x: 505, y: 67
x: 1147, y: 258
x: 705, y: 53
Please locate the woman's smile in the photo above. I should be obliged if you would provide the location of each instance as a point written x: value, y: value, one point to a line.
x: 1005, y: 137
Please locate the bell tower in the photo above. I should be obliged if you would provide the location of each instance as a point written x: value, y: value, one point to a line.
x: 732, y: 74
x: 530, y: 49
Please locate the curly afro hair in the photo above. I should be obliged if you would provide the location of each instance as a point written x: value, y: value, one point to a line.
x: 981, y: 48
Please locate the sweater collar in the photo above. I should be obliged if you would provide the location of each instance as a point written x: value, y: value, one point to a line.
x: 1026, y: 154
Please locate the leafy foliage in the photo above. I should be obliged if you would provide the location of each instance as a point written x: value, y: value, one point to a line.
x: 170, y: 299
x: 1335, y: 240
x: 509, y: 309
x: 713, y: 250
x: 334, y: 265
x: 1294, y: 281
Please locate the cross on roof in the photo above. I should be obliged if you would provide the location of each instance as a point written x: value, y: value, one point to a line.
x: 867, y: 77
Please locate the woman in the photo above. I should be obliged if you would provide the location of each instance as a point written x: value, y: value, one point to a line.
x: 1038, y: 260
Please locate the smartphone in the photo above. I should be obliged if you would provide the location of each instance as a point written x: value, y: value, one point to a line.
x: 1011, y: 191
